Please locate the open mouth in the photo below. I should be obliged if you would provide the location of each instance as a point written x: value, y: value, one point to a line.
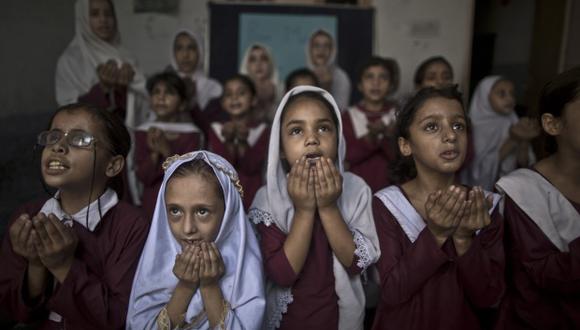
x: 312, y: 158
x: 449, y: 154
x: 194, y: 242
x: 56, y: 166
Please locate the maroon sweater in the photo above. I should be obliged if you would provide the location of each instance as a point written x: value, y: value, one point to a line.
x: 315, y: 304
x: 150, y: 174
x: 543, y: 282
x: 427, y: 287
x: 368, y: 160
x: 95, y: 293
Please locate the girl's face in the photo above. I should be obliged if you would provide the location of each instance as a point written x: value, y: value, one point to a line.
x: 237, y: 99
x: 437, y: 137
x: 320, y: 49
x: 70, y: 168
x: 375, y: 84
x: 186, y: 53
x: 259, y: 66
x: 165, y: 101
x: 307, y: 129
x: 437, y: 75
x: 195, y: 208
x: 102, y: 19
x: 502, y: 98
x: 569, y: 132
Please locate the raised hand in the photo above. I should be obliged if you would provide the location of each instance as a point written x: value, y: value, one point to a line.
x: 56, y: 245
x: 186, y: 267
x: 229, y: 131
x: 444, y: 211
x: 327, y: 183
x: 212, y: 266
x: 23, y: 235
x: 108, y: 74
x: 476, y: 216
x: 125, y: 75
x: 242, y: 132
x: 301, y: 186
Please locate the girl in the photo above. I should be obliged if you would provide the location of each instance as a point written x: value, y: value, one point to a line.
x: 317, y: 232
x: 201, y: 266
x: 258, y: 64
x: 68, y: 261
x: 187, y: 60
x: 542, y: 212
x: 240, y: 140
x: 171, y: 132
x: 435, y: 71
x: 97, y: 69
x: 442, y: 255
x: 321, y: 58
x: 501, y: 140
x: 368, y: 126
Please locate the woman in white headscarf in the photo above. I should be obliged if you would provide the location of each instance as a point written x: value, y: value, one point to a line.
x: 258, y: 64
x: 158, y: 278
x: 96, y: 64
x: 324, y: 286
x: 186, y: 59
x: 501, y: 140
x: 321, y: 58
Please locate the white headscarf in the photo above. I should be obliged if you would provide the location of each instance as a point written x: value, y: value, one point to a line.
x: 206, y: 88
x: 490, y: 130
x: 272, y: 205
x: 242, y: 284
x: 76, y: 71
x: 274, y: 74
x: 341, y: 86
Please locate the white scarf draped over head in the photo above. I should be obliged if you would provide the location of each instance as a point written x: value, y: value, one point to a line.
x: 272, y: 205
x: 76, y: 71
x: 490, y: 130
x: 206, y: 88
x: 242, y: 283
x: 274, y: 74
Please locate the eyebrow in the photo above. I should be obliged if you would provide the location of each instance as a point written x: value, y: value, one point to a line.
x: 440, y: 116
x: 299, y: 122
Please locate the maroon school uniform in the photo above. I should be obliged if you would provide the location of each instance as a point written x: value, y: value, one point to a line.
x: 543, y: 282
x: 315, y: 303
x: 96, y: 96
x: 369, y: 160
x: 250, y: 167
x: 427, y: 287
x: 95, y: 293
x: 150, y: 174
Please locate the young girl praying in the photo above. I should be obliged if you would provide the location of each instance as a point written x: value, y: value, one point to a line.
x: 169, y: 131
x: 315, y: 221
x: 241, y: 140
x: 442, y: 260
x: 542, y: 212
x: 68, y: 261
x: 201, y: 266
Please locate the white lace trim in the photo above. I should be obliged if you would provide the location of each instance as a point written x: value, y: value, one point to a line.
x: 260, y: 216
x: 361, y: 251
x: 284, y: 298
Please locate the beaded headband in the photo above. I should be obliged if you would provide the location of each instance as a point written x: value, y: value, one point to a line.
x: 230, y: 174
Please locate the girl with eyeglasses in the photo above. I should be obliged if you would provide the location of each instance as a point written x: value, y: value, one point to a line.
x: 68, y: 261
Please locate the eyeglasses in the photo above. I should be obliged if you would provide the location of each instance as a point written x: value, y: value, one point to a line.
x: 75, y: 138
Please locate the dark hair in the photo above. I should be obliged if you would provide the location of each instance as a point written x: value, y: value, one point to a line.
x: 404, y: 167
x: 199, y: 167
x: 244, y: 79
x: 390, y: 65
x: 322, y: 33
x: 421, y: 70
x: 561, y: 90
x: 301, y: 72
x: 171, y: 80
x: 185, y: 33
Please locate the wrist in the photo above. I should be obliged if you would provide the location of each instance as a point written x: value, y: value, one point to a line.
x: 301, y: 212
x: 328, y: 210
x: 61, y: 272
x: 186, y: 287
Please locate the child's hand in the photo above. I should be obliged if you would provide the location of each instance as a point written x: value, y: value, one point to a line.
x: 229, y: 131
x: 327, y: 183
x: 125, y: 76
x: 525, y: 129
x: 186, y: 267
x: 157, y: 142
x: 242, y: 132
x: 212, y: 266
x: 108, y: 74
x: 23, y: 236
x: 444, y: 212
x: 301, y: 186
x: 56, y: 245
x: 476, y: 215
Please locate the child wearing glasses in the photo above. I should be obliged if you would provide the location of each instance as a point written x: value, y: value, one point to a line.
x: 68, y: 261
